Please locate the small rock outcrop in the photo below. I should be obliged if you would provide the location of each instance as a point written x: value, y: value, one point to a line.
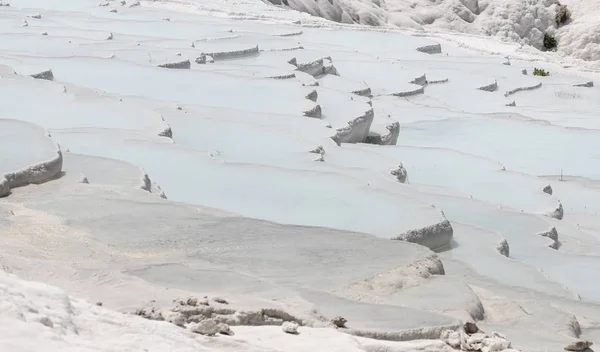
x: 389, y: 138
x: 557, y: 213
x: 47, y: 75
x: 313, y: 95
x: 211, y: 317
x: 339, y: 322
x: 431, y: 49
x: 318, y: 150
x: 589, y: 84
x: 503, y: 248
x: 470, y: 328
x: 290, y: 327
x: 562, y: 14
x: 547, y: 189
x: 433, y: 237
x: 553, y: 235
x: 208, y: 327
x: 421, y: 80
x: 470, y: 338
x: 204, y: 59
x: 400, y: 173
x: 83, y: 179
x: 520, y: 89
x: 492, y: 87
x: 315, y: 112
x: 181, y: 65
x: 578, y: 345
x: 224, y: 329
x: 220, y: 300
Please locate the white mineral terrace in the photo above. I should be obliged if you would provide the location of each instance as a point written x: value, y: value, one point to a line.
x: 252, y: 178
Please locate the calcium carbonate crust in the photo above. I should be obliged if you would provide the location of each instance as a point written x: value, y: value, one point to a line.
x: 33, y: 174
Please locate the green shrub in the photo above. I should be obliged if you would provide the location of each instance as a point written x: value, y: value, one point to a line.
x: 549, y: 42
x: 540, y: 72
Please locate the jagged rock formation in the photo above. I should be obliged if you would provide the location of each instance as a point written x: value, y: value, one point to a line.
x: 492, y: 87
x: 185, y: 64
x: 390, y: 138
x: 431, y: 49
x: 315, y: 112
x: 470, y: 338
x: 200, y: 316
x: 233, y: 54
x: 400, y: 173
x: 408, y: 93
x: 357, y: 130
x: 547, y: 189
x: 315, y: 68
x: 562, y: 14
x: 167, y: 132
x: 520, y: 89
x: 433, y: 236
x: 339, y: 322
x: 553, y: 235
x: 33, y: 174
x: 318, y: 150
x: 421, y: 80
x: 438, y: 81
x: 204, y: 58
x: 503, y: 248
x: 47, y: 75
x: 578, y: 346
x: 313, y: 95
x: 557, y: 213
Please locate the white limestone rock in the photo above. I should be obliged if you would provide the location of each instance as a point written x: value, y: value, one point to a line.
x: 578, y: 345
x: 208, y: 327
x: 400, y: 173
x: 224, y: 329
x: 290, y: 327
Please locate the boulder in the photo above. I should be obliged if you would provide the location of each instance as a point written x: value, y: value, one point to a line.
x: 290, y: 327
x: 208, y: 327
x: 578, y: 345
x: 339, y: 321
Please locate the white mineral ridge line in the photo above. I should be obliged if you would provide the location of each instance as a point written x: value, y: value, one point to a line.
x: 277, y: 96
x: 284, y: 186
x: 28, y: 155
x: 51, y: 107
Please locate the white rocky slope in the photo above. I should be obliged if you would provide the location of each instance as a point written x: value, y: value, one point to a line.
x: 251, y: 123
x: 521, y: 21
x: 35, y: 315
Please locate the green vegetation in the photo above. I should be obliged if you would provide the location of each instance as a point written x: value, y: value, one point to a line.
x: 549, y: 42
x: 540, y: 72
